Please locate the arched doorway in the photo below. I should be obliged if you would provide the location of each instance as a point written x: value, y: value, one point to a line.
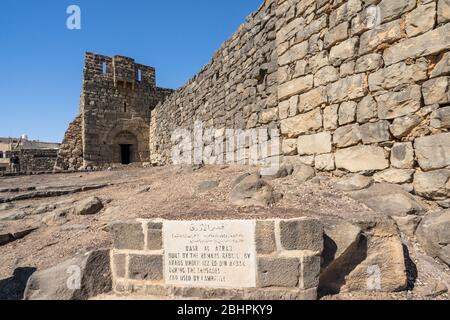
x: 125, y: 146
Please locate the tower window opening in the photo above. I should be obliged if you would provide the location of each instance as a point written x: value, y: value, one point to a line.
x: 104, y: 67
x: 124, y: 107
x: 139, y: 75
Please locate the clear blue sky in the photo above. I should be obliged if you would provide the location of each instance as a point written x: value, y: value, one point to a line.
x: 41, y: 61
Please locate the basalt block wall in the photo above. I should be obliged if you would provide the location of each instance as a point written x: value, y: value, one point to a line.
x: 353, y: 86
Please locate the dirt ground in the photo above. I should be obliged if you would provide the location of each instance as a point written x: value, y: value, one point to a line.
x: 137, y: 192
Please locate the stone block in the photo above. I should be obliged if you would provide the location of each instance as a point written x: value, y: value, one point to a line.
x: 347, y: 112
x: 278, y: 272
x: 443, y: 11
x: 433, y: 152
x: 309, y: 272
x: 119, y: 265
x: 312, y: 99
x: 440, y: 119
x: 343, y: 51
x: 301, y: 124
x: 436, y: 91
x: 294, y: 87
x: 420, y: 20
x: 373, y: 38
x: 362, y: 158
x: 429, y: 43
x: 433, y: 185
x: 265, y: 237
x: 349, y: 88
x: 347, y: 136
x: 127, y: 236
x: 402, y: 155
x: 301, y: 234
x: 325, y: 162
x: 366, y: 109
x: 402, y: 127
x: 398, y: 176
x: 154, y: 236
x: 375, y: 132
x: 400, y: 103
x: 330, y: 117
x: 145, y: 267
x: 314, y: 144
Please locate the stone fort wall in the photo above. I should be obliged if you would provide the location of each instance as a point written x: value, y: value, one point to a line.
x: 353, y: 86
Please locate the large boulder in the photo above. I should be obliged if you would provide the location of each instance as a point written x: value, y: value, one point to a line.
x: 389, y: 199
x: 80, y: 278
x: 88, y: 206
x: 253, y: 191
x: 434, y: 235
x: 363, y: 254
x: 433, y: 185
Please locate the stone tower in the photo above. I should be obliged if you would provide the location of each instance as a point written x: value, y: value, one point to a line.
x: 116, y: 102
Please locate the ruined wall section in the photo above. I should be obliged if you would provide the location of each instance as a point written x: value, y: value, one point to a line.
x: 354, y: 87
x: 237, y: 89
x: 70, y: 154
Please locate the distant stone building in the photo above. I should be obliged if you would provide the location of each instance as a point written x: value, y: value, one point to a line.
x: 117, y: 98
x: 34, y: 156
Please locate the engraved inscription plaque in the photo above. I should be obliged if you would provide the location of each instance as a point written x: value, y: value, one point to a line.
x: 215, y: 254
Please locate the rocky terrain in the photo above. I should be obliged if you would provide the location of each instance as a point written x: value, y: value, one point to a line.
x: 47, y: 219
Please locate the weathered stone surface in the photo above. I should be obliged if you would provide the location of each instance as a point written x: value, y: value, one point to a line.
x: 13, y: 215
x: 325, y: 75
x: 347, y: 113
x: 421, y: 19
x: 440, y: 119
x: 398, y: 176
x: 353, y: 183
x: 361, y: 158
x: 301, y: 124
x: 312, y: 99
x: 375, y: 132
x: 154, y: 236
x: 301, y: 234
x: 398, y: 74
x: 146, y: 267
x: 396, y: 104
x: 119, y: 265
x: 366, y: 109
x: 346, y: 11
x: 265, y: 237
x: 348, y: 88
x: 389, y: 199
x: 408, y: 224
x: 304, y: 172
x: 436, y: 91
x: 343, y: 51
x: 336, y: 34
x: 402, y: 155
x: 295, y: 87
x: 402, y: 127
x: 433, y: 152
x: 433, y: 185
x: 394, y: 9
x: 253, y: 191
x: 325, y: 162
x: 88, y: 206
x: 340, y: 245
x: 371, y: 39
x: 8, y: 237
x: 52, y: 284
x: 379, y: 262
x: 442, y: 68
x: 309, y: 271
x: 347, y: 136
x: 314, y: 144
x: 269, y: 274
x: 434, y: 235
x: 369, y: 62
x: 443, y: 11
x: 283, y: 171
x: 330, y: 117
x: 127, y: 235
x: 426, y: 44
x: 289, y: 147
